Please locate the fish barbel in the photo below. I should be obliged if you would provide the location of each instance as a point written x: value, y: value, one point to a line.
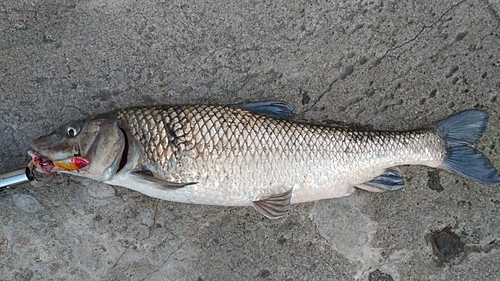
x: 250, y: 154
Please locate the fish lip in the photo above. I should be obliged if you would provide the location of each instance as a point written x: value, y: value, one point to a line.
x: 43, y: 163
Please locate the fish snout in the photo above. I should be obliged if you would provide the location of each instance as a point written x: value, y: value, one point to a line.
x: 45, y: 142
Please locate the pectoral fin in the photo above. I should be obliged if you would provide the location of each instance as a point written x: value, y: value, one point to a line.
x: 390, y: 180
x: 275, y: 206
x: 148, y: 177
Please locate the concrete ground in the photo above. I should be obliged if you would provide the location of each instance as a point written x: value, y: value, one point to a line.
x: 386, y: 64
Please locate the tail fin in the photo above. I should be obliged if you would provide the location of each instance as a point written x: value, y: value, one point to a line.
x: 459, y: 132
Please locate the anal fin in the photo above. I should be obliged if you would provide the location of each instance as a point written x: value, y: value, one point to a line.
x: 275, y: 206
x: 147, y: 176
x: 390, y: 180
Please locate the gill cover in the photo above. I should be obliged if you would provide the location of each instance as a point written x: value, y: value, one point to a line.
x: 106, y: 151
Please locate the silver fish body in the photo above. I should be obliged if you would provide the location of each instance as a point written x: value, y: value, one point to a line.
x: 231, y: 156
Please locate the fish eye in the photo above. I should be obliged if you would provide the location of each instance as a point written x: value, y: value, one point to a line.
x: 73, y: 130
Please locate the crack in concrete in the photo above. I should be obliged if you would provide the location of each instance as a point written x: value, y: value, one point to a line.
x: 120, y: 257
x: 151, y: 227
x: 349, y: 71
x: 67, y: 64
x: 167, y: 259
x: 491, y: 10
x: 172, y: 253
x: 330, y: 86
x: 420, y: 32
x: 495, y: 244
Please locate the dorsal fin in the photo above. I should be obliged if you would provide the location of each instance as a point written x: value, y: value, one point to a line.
x: 274, y: 109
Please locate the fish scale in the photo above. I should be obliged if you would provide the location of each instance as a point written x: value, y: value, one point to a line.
x: 207, y: 143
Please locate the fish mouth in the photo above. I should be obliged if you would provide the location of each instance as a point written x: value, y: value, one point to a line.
x: 43, y: 163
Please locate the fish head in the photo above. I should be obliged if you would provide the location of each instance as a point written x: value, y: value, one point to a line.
x: 92, y: 148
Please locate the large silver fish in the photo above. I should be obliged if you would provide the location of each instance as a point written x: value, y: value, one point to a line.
x: 249, y: 154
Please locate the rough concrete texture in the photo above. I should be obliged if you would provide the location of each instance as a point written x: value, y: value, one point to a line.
x: 386, y: 64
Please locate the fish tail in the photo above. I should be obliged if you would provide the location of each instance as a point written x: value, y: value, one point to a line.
x: 460, y: 132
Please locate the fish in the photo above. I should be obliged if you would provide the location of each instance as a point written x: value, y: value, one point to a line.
x: 254, y: 154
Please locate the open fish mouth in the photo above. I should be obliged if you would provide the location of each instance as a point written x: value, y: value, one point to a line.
x: 43, y: 163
